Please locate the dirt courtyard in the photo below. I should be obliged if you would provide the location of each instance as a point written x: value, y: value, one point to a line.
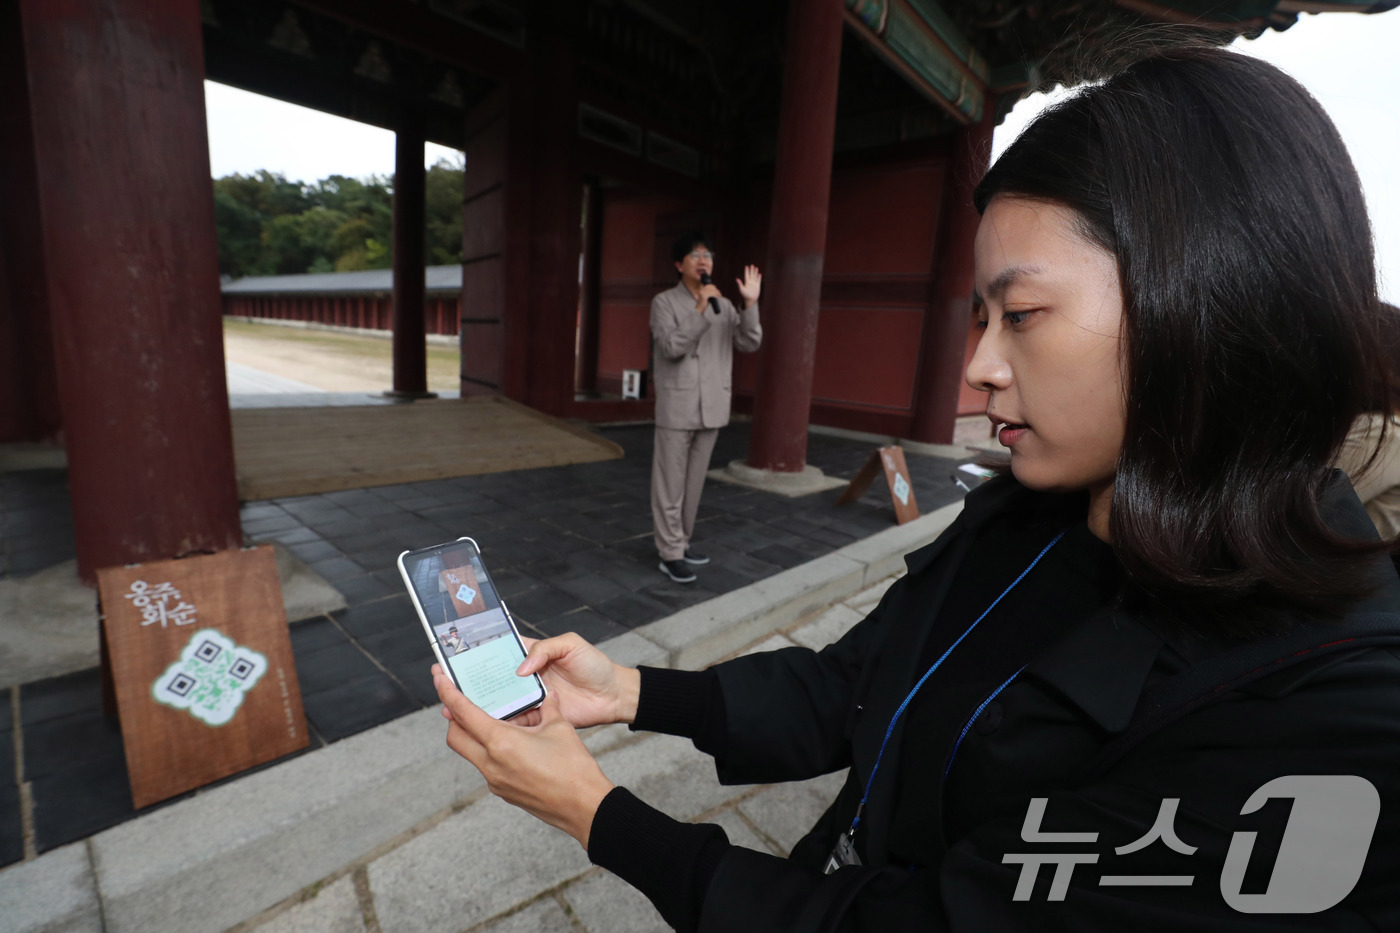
x: 329, y: 360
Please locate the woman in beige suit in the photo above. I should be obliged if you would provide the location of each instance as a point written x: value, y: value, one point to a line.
x: 694, y: 333
x: 1371, y: 453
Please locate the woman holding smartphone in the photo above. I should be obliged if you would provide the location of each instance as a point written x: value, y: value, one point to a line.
x: 1074, y: 709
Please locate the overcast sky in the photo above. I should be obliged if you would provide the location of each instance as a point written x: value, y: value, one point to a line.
x: 248, y: 132
x: 1350, y: 62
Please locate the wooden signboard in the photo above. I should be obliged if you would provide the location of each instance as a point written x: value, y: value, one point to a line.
x: 464, y: 590
x: 198, y: 654
x: 891, y: 460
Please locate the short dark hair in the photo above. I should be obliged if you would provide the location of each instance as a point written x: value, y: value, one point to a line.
x: 1251, y: 318
x: 687, y: 242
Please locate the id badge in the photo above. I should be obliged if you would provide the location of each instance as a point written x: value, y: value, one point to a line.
x: 844, y: 854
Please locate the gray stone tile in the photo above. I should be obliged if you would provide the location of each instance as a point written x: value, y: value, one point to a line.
x: 208, y: 862
x: 827, y: 627
x: 632, y: 650
x: 771, y: 643
x: 605, y: 903
x: 670, y: 774
x: 55, y: 893
x: 785, y: 812
x: 739, y: 832
x: 332, y: 909
x: 867, y: 599
x: 505, y: 857
x: 543, y: 916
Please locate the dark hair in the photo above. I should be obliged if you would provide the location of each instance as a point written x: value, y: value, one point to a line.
x: 688, y: 241
x: 1251, y: 318
x: 1389, y: 391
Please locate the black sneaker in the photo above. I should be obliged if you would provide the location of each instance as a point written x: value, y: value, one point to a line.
x: 693, y: 558
x: 678, y: 571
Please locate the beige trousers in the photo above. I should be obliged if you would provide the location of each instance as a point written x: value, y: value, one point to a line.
x: 678, y: 465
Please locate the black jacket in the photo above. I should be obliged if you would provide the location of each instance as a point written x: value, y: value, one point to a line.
x: 1322, y: 700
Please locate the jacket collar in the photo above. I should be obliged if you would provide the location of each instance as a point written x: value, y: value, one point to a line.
x: 683, y: 292
x: 1101, y: 666
x: 989, y: 499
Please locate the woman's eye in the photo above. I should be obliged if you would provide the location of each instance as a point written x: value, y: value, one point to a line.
x: 1015, y: 318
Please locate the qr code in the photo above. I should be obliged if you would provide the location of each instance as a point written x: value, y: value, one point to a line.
x: 211, y: 678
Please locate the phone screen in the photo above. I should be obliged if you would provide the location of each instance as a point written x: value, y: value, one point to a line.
x: 472, y: 631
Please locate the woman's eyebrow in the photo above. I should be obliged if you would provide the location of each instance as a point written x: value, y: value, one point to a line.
x: 1003, y: 280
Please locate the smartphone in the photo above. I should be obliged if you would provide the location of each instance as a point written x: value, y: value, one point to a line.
x: 469, y: 627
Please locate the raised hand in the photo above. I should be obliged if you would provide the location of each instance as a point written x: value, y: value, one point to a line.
x: 542, y: 768
x: 592, y: 690
x: 750, y: 285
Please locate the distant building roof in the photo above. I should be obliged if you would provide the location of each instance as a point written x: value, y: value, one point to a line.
x: 369, y: 281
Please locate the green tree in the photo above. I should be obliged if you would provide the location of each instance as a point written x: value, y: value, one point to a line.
x: 443, y: 193
x: 268, y: 225
x: 239, y: 229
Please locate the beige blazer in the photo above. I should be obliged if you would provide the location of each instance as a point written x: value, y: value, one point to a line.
x: 693, y: 358
x: 1378, y: 486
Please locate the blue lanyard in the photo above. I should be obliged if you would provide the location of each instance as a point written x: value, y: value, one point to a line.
x: 899, y: 712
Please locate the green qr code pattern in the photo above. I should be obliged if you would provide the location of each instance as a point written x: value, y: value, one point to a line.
x: 211, y: 678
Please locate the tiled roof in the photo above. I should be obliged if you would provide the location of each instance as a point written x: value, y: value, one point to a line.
x: 439, y: 279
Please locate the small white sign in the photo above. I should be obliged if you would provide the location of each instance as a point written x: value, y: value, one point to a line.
x: 466, y: 594
x: 901, y: 489
x: 978, y: 471
x: 631, y: 383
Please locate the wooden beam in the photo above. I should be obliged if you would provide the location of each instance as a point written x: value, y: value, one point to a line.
x: 904, y: 69
x: 415, y: 26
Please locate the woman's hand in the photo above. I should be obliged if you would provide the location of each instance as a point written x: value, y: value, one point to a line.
x: 591, y: 689
x: 544, y: 769
x: 750, y: 285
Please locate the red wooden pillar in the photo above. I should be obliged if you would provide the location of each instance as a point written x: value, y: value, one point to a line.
x: 126, y: 213
x: 946, y: 320
x: 410, y: 343
x: 29, y: 409
x: 586, y: 366
x: 555, y: 206
x: 792, y: 283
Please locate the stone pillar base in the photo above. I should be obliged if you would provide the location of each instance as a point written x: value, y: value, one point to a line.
x: 810, y: 480
x: 397, y: 395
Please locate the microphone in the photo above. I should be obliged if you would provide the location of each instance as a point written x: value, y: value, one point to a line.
x: 705, y: 280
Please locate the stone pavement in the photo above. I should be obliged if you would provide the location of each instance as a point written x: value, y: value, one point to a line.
x: 389, y: 831
x: 569, y: 547
x: 486, y: 867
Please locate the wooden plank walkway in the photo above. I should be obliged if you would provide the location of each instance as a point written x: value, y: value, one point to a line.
x: 300, y: 451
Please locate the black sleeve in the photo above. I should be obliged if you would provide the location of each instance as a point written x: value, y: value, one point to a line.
x: 689, y: 704
x: 671, y: 862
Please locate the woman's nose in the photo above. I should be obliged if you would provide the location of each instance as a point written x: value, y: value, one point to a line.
x: 987, y: 370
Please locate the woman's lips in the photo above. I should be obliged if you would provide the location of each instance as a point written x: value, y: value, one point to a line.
x: 1009, y: 434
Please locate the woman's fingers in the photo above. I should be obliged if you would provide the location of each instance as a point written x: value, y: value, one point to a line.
x: 549, y: 711
x: 531, y: 717
x: 464, y: 712
x: 542, y: 652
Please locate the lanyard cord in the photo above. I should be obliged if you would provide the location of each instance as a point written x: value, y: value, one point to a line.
x: 899, y: 712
